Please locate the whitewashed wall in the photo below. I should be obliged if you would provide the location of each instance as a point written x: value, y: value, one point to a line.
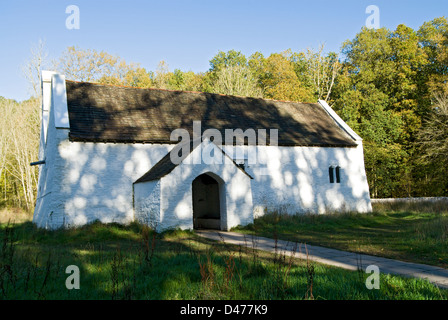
x: 296, y: 179
x: 147, y: 203
x: 235, y: 191
x: 90, y: 181
x: 93, y: 181
x: 83, y: 182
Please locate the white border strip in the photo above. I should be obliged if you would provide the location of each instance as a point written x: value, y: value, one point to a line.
x: 60, y: 102
x: 339, y: 121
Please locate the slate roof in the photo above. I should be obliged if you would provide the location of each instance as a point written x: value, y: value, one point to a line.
x: 103, y: 113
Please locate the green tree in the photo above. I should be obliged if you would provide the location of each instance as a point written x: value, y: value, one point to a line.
x: 19, y: 142
x: 138, y: 77
x: 236, y: 80
x: 256, y: 66
x: 186, y: 81
x: 230, y: 73
x: 316, y: 71
x: 377, y: 94
x: 220, y: 61
x: 432, y: 145
x: 230, y: 58
x: 279, y: 80
x: 433, y: 36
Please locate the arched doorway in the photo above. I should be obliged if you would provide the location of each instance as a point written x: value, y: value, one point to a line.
x: 206, y: 203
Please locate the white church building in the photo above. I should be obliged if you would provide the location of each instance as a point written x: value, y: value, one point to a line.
x: 177, y: 159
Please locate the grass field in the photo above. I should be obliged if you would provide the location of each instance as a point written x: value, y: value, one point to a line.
x: 415, y: 232
x: 15, y: 215
x: 133, y: 262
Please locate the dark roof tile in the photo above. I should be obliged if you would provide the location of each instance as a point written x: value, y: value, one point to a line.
x: 102, y: 113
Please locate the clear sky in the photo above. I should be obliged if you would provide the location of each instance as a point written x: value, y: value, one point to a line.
x: 188, y: 33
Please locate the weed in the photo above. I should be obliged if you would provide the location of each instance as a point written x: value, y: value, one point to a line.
x: 310, y: 277
x: 229, y: 273
x: 7, y: 253
x: 116, y: 266
x: 149, y: 243
x: 206, y: 269
x: 47, y: 274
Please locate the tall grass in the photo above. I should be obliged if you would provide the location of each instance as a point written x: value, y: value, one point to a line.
x: 133, y: 262
x: 15, y: 215
x: 432, y: 231
x: 415, y: 231
x: 435, y: 230
x: 420, y: 206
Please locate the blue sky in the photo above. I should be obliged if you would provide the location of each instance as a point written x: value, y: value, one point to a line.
x: 187, y: 34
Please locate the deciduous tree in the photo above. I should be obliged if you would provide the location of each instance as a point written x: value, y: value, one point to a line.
x: 432, y: 143
x: 236, y: 80
x: 279, y: 80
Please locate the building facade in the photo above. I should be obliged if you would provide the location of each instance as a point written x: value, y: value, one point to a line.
x: 116, y: 154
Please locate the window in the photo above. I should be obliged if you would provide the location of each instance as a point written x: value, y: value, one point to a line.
x: 334, y: 171
x: 331, y: 173
x: 338, y: 174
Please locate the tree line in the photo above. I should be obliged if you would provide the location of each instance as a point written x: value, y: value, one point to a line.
x: 390, y: 86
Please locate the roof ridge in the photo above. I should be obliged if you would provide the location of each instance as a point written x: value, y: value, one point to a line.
x: 188, y: 91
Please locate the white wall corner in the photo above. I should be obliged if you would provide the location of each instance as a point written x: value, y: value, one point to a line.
x: 47, y: 75
x: 339, y: 121
x: 46, y: 102
x: 59, y: 99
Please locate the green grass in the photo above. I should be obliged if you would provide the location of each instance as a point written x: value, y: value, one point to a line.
x: 132, y: 262
x: 415, y: 232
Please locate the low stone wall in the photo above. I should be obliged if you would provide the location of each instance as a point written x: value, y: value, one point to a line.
x: 420, y: 199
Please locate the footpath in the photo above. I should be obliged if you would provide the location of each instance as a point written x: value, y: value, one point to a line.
x: 333, y: 257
